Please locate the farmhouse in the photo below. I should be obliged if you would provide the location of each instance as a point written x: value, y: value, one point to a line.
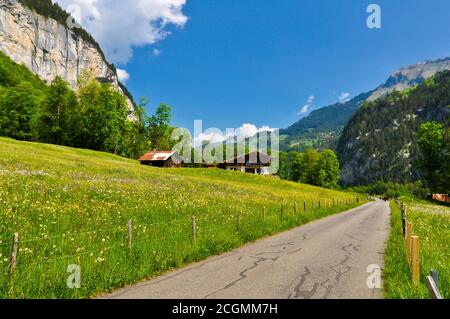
x: 162, y: 159
x: 255, y: 163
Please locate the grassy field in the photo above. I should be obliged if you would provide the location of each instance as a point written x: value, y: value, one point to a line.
x: 72, y: 206
x: 431, y: 223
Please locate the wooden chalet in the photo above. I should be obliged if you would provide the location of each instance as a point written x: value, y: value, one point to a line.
x: 254, y: 163
x: 163, y: 159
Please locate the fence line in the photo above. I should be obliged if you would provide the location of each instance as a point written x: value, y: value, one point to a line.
x: 413, y: 255
x: 131, y: 230
x: 79, y: 254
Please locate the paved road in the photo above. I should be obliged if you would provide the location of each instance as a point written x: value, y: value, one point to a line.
x: 324, y: 259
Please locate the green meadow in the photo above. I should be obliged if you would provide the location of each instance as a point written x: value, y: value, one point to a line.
x: 431, y: 222
x: 72, y: 206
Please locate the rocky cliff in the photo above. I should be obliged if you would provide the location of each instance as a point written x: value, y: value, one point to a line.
x: 49, y: 48
x: 410, y: 76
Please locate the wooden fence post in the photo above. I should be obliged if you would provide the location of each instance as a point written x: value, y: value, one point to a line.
x: 435, y: 275
x: 13, y: 259
x: 319, y: 204
x: 304, y: 205
x: 404, y: 220
x: 409, y: 229
x: 194, y: 229
x: 264, y: 212
x: 433, y: 284
x: 130, y: 233
x: 415, y: 260
x: 238, y: 221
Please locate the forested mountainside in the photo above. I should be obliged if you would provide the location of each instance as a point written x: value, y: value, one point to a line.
x: 323, y: 127
x: 380, y: 140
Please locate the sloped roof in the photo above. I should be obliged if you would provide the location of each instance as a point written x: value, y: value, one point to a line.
x: 253, y: 158
x: 157, y: 156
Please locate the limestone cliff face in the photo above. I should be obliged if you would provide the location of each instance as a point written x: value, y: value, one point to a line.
x: 49, y: 48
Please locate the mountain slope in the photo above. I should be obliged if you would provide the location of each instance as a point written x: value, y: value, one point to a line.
x: 379, y: 142
x: 323, y: 127
x: 411, y: 76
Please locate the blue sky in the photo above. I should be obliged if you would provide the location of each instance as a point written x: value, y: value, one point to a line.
x: 260, y: 61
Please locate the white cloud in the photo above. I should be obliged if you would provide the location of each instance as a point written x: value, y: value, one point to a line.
x: 210, y: 137
x: 216, y: 136
x: 344, y: 97
x: 123, y: 75
x: 121, y: 25
x: 156, y: 52
x: 305, y: 108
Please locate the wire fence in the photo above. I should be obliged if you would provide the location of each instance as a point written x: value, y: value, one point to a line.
x: 413, y: 255
x: 150, y: 235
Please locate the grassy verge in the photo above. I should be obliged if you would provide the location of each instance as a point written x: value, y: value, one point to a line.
x: 72, y: 206
x: 432, y: 224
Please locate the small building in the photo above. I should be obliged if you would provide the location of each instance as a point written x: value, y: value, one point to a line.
x: 254, y: 163
x: 163, y: 159
x: 441, y: 198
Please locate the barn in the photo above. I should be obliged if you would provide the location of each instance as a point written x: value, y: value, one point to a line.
x: 163, y: 159
x: 254, y: 163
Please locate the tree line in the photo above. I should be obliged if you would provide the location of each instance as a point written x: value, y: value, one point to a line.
x: 310, y: 167
x: 95, y: 116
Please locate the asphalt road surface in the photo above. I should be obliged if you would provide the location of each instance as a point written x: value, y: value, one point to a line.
x: 326, y: 259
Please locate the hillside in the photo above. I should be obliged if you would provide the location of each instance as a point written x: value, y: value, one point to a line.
x: 54, y: 113
x: 72, y: 206
x: 379, y: 142
x: 322, y: 128
x: 12, y: 74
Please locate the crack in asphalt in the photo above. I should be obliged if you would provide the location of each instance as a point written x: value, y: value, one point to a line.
x: 269, y: 252
x: 350, y: 236
x: 340, y: 269
x: 305, y: 294
x: 281, y: 245
x: 295, y: 251
x: 243, y: 274
x: 327, y: 288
